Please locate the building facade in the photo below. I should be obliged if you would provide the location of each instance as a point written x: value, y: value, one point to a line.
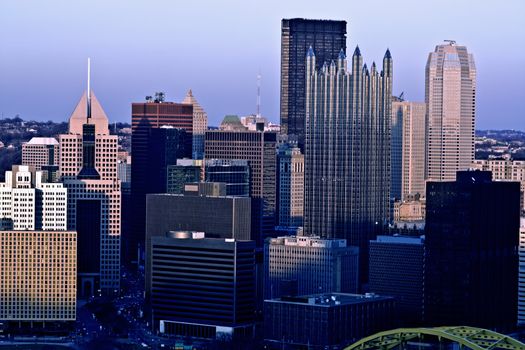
x: 185, y: 171
x: 33, y: 287
x: 521, y: 281
x: 42, y: 153
x: 146, y: 117
x: 220, y: 273
x: 200, y: 125
x: 88, y: 169
x: 450, y: 97
x: 327, y: 38
x: 325, y: 321
x: 258, y: 148
x: 471, y: 242
x: 504, y: 170
x: 290, y: 186
x: 397, y: 269
x: 29, y: 203
x: 235, y: 173
x: 304, y: 265
x: 408, y: 149
x: 347, y: 157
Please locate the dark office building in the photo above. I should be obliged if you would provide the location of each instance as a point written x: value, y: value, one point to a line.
x: 147, y: 118
x: 185, y: 171
x: 201, y: 287
x: 88, y: 238
x: 258, y: 148
x: 471, y: 239
x: 325, y: 321
x: 327, y: 38
x: 234, y: 173
x: 396, y: 269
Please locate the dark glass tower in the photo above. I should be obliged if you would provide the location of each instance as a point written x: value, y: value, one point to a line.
x: 347, y: 155
x: 327, y: 38
x: 146, y: 119
x: 471, y: 267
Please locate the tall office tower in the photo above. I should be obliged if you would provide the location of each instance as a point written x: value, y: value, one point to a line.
x: 88, y: 167
x: 521, y: 278
x: 471, y: 241
x: 200, y: 125
x: 43, y: 154
x: 222, y: 285
x: 347, y: 157
x: 234, y: 173
x: 397, y: 269
x: 450, y: 96
x: 504, y: 170
x: 185, y: 171
x: 408, y: 149
x: 29, y: 203
x: 258, y: 148
x: 325, y: 321
x: 38, y: 278
x: 307, y: 265
x: 146, y: 116
x: 327, y: 38
x: 290, y: 186
x: 124, y: 170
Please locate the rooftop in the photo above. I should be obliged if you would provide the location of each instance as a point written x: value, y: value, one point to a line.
x: 331, y: 299
x: 42, y: 141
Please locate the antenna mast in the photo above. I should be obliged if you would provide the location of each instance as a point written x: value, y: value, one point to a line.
x: 89, y: 89
x: 259, y: 94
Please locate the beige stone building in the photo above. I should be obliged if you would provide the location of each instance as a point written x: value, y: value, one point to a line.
x: 450, y: 96
x: 200, y: 125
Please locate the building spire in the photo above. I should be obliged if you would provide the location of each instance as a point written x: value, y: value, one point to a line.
x: 88, y: 89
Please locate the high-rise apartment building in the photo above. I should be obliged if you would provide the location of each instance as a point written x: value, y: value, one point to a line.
x: 145, y: 117
x: 201, y: 287
x: 88, y: 168
x: 450, y: 97
x: 258, y: 148
x: 29, y: 203
x: 38, y: 277
x: 290, y: 186
x: 504, y: 170
x: 305, y: 265
x: 408, y: 149
x: 347, y: 157
x: 397, y: 269
x: 200, y: 125
x: 471, y: 242
x: 327, y: 38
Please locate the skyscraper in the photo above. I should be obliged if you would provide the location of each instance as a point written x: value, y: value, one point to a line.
x: 200, y: 125
x: 43, y: 154
x: 471, y: 241
x: 88, y: 169
x: 258, y: 148
x: 450, y: 96
x: 347, y: 170
x: 290, y: 186
x: 234, y: 173
x: 327, y: 38
x: 408, y: 149
x: 146, y: 116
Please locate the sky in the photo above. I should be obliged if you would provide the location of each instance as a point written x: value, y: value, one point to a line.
x: 217, y: 48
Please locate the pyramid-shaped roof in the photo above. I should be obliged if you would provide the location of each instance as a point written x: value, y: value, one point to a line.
x: 190, y: 99
x: 79, y: 116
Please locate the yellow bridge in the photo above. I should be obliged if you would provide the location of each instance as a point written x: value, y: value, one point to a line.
x: 465, y: 337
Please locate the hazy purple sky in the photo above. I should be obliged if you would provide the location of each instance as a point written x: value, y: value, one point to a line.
x: 217, y: 48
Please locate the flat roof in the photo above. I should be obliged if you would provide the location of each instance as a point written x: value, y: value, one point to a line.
x: 330, y: 299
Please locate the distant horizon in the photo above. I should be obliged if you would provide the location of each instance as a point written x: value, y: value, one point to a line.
x: 46, y: 46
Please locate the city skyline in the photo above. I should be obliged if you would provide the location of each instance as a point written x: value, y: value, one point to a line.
x: 55, y: 53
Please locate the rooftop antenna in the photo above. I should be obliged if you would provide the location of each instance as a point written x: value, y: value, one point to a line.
x: 89, y: 89
x: 450, y: 42
x: 259, y: 94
